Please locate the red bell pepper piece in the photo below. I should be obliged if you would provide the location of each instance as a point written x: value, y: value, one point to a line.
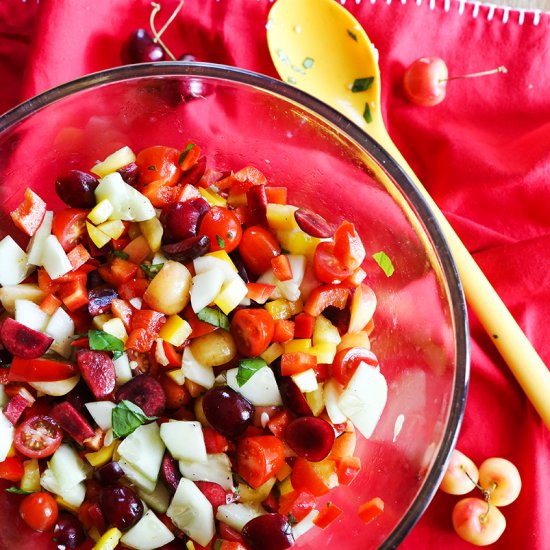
x: 283, y: 330
x: 281, y: 267
x: 348, y: 247
x: 29, y: 214
x: 11, y: 469
x: 276, y: 195
x: 303, y: 325
x: 327, y: 515
x: 74, y: 294
x: 371, y: 510
x: 324, y: 296
x: 40, y: 370
x: 78, y: 256
x: 297, y: 503
x: 199, y: 328
x: 348, y: 468
x: 259, y: 292
x: 118, y: 271
x: 296, y: 362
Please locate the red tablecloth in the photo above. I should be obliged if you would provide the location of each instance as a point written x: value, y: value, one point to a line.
x: 484, y: 155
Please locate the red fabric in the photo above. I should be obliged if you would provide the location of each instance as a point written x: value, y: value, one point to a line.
x: 484, y: 155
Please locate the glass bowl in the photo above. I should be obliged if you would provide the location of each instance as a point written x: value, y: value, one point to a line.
x: 240, y: 118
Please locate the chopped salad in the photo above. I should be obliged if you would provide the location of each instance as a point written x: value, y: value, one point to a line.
x: 185, y: 357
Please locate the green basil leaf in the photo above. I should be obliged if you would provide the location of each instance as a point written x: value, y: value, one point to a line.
x: 367, y: 114
x: 120, y: 254
x: 384, y: 261
x: 291, y: 519
x: 214, y: 316
x: 18, y: 491
x: 127, y: 417
x: 221, y: 242
x: 184, y: 153
x: 151, y: 269
x: 117, y: 354
x: 362, y: 84
x: 247, y: 369
x: 103, y: 341
x: 218, y: 544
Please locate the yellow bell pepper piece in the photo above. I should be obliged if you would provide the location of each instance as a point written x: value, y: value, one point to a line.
x: 281, y: 216
x: 65, y: 505
x: 273, y: 352
x: 325, y: 352
x: 175, y: 331
x: 298, y: 242
x: 285, y: 486
x: 109, y: 539
x: 283, y: 472
x: 104, y: 455
x: 298, y: 345
x: 115, y: 327
x: 31, y: 476
x: 315, y: 400
x: 101, y: 211
x: 279, y: 309
x: 113, y: 228
x: 177, y: 376
x: 325, y: 332
x: 99, y: 238
x: 213, y: 199
x: 114, y: 161
x: 152, y: 230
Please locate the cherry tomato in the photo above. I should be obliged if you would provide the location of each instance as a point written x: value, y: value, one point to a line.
x: 37, y: 437
x: 327, y: 267
x: 69, y: 226
x: 159, y: 163
x: 258, y: 247
x: 347, y: 360
x: 348, y: 247
x: 223, y: 229
x: 252, y: 330
x: 259, y: 458
x: 39, y: 511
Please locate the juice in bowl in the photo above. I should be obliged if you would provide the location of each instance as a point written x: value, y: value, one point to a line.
x: 262, y: 325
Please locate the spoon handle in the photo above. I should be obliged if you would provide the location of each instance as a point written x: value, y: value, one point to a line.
x: 515, y: 348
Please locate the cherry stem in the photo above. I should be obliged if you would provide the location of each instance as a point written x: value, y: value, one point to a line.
x: 471, y: 479
x: 483, y: 517
x: 501, y: 69
x: 158, y: 34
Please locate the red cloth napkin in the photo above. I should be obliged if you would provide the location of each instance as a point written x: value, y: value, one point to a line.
x: 483, y: 154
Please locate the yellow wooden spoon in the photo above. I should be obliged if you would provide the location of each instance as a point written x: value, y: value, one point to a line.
x: 319, y: 47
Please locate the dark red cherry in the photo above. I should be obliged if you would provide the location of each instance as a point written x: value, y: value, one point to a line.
x: 76, y: 188
x: 141, y: 48
x: 268, y: 532
x: 310, y: 437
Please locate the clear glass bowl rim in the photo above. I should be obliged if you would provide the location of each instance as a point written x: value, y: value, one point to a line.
x: 273, y: 86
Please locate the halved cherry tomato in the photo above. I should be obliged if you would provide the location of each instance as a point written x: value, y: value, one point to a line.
x: 159, y: 163
x: 258, y: 246
x: 214, y: 441
x: 11, y: 469
x: 347, y: 360
x: 252, y: 330
x: 348, y: 247
x: 69, y: 226
x: 37, y: 437
x: 29, y: 214
x: 39, y: 511
x: 223, y: 229
x: 259, y: 458
x: 326, y: 265
x: 40, y: 370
